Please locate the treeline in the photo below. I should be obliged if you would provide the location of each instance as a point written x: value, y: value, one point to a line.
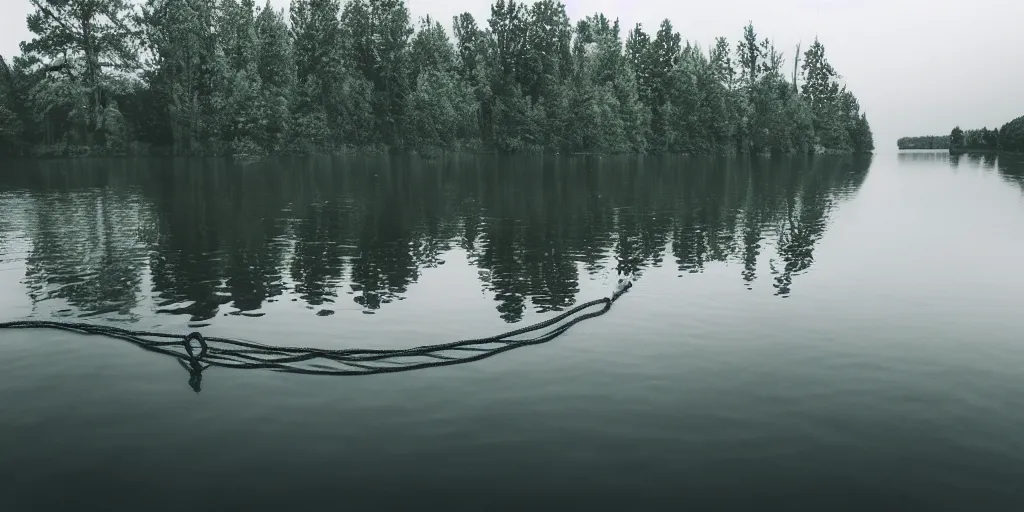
x: 226, y: 77
x: 925, y: 142
x: 1008, y: 138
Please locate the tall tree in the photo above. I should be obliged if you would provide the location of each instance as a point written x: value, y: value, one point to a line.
x: 508, y: 25
x: 276, y: 70
x: 468, y: 37
x: 441, y: 110
x: 750, y: 55
x: 548, y: 62
x: 820, y: 87
x: 722, y: 63
x: 956, y: 138
x: 375, y: 42
x: 315, y: 33
x: 87, y: 48
x: 184, y: 72
x: 511, y: 122
x: 665, y: 51
x: 430, y: 49
x: 638, y: 54
x: 242, y: 126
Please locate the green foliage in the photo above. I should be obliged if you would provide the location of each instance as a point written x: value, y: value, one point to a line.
x: 441, y: 111
x: 838, y: 123
x: 750, y: 56
x: 599, y: 107
x: 276, y: 69
x: 229, y: 77
x: 375, y: 41
x: 469, y: 47
x: 820, y: 87
x: 860, y: 135
x: 315, y: 36
x: 431, y: 49
x: 83, y: 50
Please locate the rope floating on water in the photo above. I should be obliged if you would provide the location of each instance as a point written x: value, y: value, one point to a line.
x: 196, y: 353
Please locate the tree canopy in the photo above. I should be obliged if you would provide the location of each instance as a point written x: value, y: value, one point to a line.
x: 233, y: 77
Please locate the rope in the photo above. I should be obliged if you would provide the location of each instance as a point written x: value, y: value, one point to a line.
x: 241, y: 354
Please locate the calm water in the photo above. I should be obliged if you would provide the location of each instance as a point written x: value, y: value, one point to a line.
x: 827, y: 334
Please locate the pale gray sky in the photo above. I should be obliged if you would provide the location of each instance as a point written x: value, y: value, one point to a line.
x: 917, y: 66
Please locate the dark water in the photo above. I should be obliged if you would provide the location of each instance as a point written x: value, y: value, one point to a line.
x: 826, y: 334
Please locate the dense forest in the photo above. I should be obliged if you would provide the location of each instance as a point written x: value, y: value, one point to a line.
x: 924, y: 142
x: 1008, y: 138
x: 212, y: 77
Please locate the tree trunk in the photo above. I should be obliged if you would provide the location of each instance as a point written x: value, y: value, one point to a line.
x: 796, y: 66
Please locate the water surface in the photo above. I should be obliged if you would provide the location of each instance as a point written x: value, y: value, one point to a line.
x: 828, y: 333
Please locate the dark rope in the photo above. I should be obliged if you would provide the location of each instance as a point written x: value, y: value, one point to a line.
x: 240, y: 354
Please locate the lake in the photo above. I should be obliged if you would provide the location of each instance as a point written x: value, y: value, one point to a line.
x: 828, y: 333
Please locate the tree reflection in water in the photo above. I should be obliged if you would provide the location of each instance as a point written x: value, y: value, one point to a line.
x: 208, y: 236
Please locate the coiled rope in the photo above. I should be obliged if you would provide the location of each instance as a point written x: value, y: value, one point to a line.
x: 240, y: 354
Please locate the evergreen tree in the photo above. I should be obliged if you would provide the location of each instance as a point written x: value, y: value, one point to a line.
x: 441, y: 110
x: 468, y: 48
x: 184, y: 73
x: 277, y: 74
x: 750, y: 55
x: 820, y: 87
x: 956, y: 138
x: 375, y: 41
x: 863, y: 141
x: 86, y: 48
x: 316, y: 43
x: 431, y: 49
x: 242, y: 122
x: 548, y: 60
x: 638, y: 54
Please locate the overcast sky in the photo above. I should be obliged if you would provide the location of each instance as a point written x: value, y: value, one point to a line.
x: 917, y: 66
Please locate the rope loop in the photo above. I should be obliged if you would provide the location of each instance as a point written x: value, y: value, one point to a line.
x: 203, y: 347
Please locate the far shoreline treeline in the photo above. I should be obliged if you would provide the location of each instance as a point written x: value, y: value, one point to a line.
x: 224, y: 77
x: 924, y: 142
x: 1008, y: 138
